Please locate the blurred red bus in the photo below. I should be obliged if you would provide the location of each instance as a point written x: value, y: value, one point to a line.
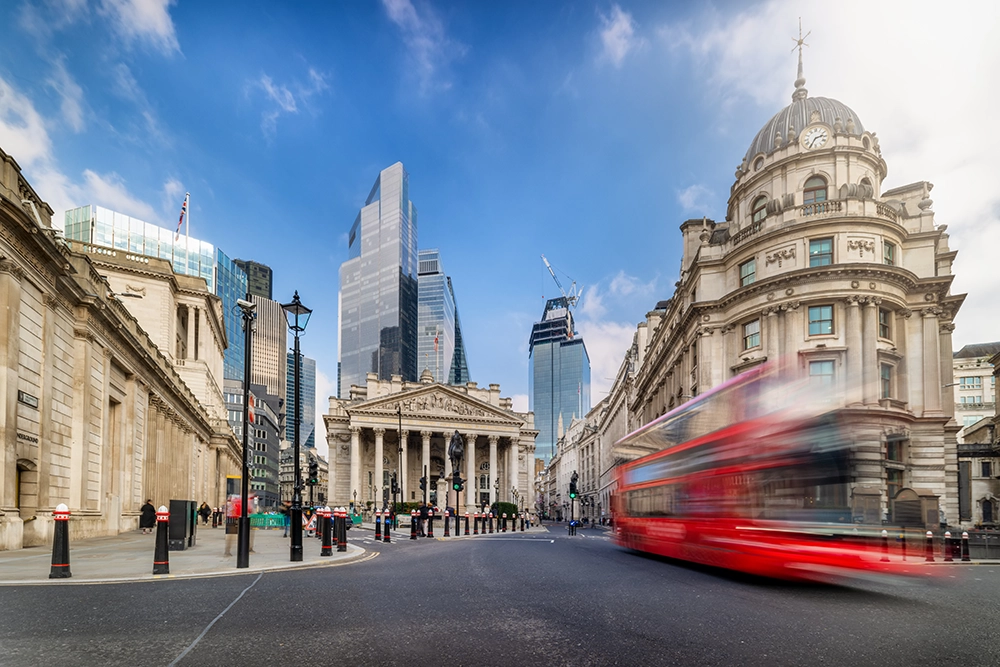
x: 751, y: 476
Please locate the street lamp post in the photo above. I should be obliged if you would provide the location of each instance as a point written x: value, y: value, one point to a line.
x: 248, y: 309
x: 297, y: 316
x: 399, y: 459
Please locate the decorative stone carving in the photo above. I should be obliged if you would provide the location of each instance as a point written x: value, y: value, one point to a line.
x: 946, y: 328
x: 814, y: 117
x: 861, y: 245
x: 838, y: 125
x: 851, y: 127
x: 780, y: 256
x: 855, y: 284
x: 438, y: 403
x: 790, y: 291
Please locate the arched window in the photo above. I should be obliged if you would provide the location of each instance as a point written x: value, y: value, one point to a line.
x: 759, y: 209
x: 815, y: 190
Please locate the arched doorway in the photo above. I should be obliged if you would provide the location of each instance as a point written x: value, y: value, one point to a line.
x: 988, y: 511
x: 26, y: 488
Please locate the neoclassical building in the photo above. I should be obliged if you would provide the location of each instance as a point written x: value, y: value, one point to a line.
x: 389, y: 426
x: 845, y: 283
x: 95, y: 415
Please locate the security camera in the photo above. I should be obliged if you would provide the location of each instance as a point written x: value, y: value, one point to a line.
x: 248, y: 306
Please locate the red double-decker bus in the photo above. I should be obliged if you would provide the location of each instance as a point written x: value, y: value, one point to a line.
x: 751, y: 476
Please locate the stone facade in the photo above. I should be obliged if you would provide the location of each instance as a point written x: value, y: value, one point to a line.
x: 363, y: 433
x: 95, y: 415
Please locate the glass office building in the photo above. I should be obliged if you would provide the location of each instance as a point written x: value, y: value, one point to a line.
x: 307, y: 391
x: 459, y: 373
x: 260, y: 277
x: 102, y: 227
x: 435, y: 318
x: 559, y: 375
x: 378, y: 286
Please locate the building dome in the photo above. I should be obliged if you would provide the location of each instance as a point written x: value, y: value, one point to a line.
x: 798, y: 115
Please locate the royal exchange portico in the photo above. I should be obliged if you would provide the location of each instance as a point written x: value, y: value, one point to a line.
x: 364, y: 433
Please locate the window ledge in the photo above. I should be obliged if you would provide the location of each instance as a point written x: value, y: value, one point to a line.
x: 892, y: 403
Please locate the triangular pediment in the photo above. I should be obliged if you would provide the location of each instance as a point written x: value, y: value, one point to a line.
x: 436, y: 402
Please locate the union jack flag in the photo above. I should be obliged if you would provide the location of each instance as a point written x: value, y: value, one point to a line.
x: 184, y: 209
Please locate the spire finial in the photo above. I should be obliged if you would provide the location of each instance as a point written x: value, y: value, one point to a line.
x: 800, y: 82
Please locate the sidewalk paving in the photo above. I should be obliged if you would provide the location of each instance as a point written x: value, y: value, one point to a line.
x: 129, y: 557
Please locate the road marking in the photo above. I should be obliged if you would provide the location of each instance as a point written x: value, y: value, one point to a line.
x: 214, y: 620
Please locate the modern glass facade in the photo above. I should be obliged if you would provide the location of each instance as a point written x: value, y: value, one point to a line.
x: 307, y: 389
x: 459, y: 363
x: 102, y: 227
x: 435, y: 318
x: 260, y: 278
x: 559, y: 375
x: 379, y: 286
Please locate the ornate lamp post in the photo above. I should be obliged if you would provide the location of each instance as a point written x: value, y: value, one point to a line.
x: 249, y: 312
x: 297, y: 316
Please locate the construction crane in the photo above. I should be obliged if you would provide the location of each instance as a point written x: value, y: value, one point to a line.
x: 574, y: 294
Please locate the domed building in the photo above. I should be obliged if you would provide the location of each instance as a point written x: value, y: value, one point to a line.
x: 849, y: 285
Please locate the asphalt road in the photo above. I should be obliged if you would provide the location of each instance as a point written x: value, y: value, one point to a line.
x: 509, y: 599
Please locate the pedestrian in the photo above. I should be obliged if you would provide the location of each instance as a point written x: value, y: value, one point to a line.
x: 286, y: 511
x: 205, y: 511
x: 423, y: 519
x: 147, y: 518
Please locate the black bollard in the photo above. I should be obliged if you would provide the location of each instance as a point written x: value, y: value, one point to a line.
x: 378, y: 526
x: 475, y: 523
x: 161, y: 554
x: 902, y: 538
x: 930, y: 548
x: 885, y: 546
x: 447, y: 522
x: 60, y: 544
x: 522, y: 523
x: 466, y: 523
x: 503, y: 528
x: 342, y: 531
x: 965, y: 547
x: 491, y: 523
x: 386, y: 525
x: 327, y: 548
x: 458, y: 524
x: 430, y: 523
x: 947, y: 547
x: 413, y: 524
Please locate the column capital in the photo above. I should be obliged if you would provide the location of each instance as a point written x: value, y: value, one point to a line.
x: 379, y: 431
x: 355, y: 430
x: 494, y: 439
x: 426, y: 435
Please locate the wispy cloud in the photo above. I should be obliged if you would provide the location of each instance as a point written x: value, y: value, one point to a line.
x: 425, y: 38
x: 694, y: 198
x: 286, y: 99
x: 71, y: 94
x: 143, y: 22
x: 618, y: 36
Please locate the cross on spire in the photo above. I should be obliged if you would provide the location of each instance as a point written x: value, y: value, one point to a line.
x: 800, y: 91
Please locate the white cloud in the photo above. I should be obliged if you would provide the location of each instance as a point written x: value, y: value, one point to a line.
x: 925, y: 87
x: 287, y: 98
x: 325, y: 388
x: 607, y: 343
x: 142, y: 21
x: 519, y: 402
x: 694, y: 198
x: 22, y: 129
x: 109, y: 190
x: 428, y: 44
x: 618, y: 36
x: 70, y: 92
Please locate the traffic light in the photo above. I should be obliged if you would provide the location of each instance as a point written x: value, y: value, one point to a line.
x: 572, y: 490
x: 457, y: 483
x: 314, y: 472
x: 395, y: 484
x: 423, y: 483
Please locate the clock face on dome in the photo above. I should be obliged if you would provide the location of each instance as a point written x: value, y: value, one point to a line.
x: 815, y: 137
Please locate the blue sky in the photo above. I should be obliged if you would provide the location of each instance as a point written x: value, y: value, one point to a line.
x: 587, y: 131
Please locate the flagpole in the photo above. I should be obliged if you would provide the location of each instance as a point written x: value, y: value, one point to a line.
x: 187, y: 227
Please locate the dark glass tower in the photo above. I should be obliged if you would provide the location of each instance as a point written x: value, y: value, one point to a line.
x: 559, y: 374
x: 307, y: 387
x: 378, y: 286
x: 259, y: 277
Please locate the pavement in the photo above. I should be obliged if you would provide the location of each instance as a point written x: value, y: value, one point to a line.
x: 129, y: 557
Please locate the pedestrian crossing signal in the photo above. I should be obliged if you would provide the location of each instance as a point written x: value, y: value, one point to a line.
x: 458, y: 483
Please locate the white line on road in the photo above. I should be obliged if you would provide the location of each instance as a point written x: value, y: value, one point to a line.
x: 209, y: 626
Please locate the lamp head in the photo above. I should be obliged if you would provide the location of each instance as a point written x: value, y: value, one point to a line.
x: 296, y: 314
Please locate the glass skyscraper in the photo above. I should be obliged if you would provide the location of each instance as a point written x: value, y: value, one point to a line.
x: 559, y: 374
x: 435, y: 318
x: 260, y: 278
x: 102, y: 227
x: 459, y: 373
x: 307, y: 391
x: 378, y: 286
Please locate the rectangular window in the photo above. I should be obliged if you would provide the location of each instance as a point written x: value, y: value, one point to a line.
x: 888, y: 253
x: 971, y: 400
x: 748, y: 272
x: 893, y: 482
x: 987, y: 469
x: 820, y: 252
x: 884, y: 323
x: 821, y: 373
x: 969, y: 420
x: 751, y: 334
x: 970, y: 383
x: 894, y: 450
x: 885, y: 381
x: 820, y: 320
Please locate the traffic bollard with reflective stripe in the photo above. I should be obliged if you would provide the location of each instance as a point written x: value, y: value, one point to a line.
x: 327, y: 548
x: 161, y: 553
x: 386, y: 524
x: 475, y: 523
x: 430, y: 523
x: 342, y: 533
x: 965, y: 547
x: 885, y: 546
x: 930, y: 548
x: 378, y: 526
x: 947, y: 547
x: 60, y: 544
x: 466, y: 523
x: 413, y: 524
x: 503, y: 528
x: 491, y: 523
x: 447, y: 523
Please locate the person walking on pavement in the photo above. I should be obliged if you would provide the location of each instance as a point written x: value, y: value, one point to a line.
x: 205, y: 511
x: 147, y: 518
x: 423, y: 519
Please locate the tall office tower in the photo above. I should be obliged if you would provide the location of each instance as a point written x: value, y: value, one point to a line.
x: 263, y: 439
x: 259, y: 277
x: 435, y: 318
x: 270, y: 347
x: 378, y: 286
x: 307, y: 389
x: 459, y: 373
x: 101, y: 227
x: 559, y: 374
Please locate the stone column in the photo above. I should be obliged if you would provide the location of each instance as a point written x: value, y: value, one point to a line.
x: 425, y: 437
x: 10, y: 305
x: 494, y: 439
x: 512, y: 468
x: 792, y: 317
x: 947, y: 370
x: 191, y: 319
x: 853, y: 381
x: 404, y: 442
x: 470, y: 472
x: 379, y: 433
x: 869, y: 354
x: 932, y: 363
x: 355, y: 492
x: 770, y: 333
